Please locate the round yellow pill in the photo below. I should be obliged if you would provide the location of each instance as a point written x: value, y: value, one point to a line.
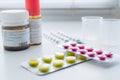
x: 80, y: 57
x: 44, y: 68
x: 47, y: 59
x: 69, y: 53
x: 33, y: 62
x: 59, y: 55
x: 58, y: 63
x: 70, y: 59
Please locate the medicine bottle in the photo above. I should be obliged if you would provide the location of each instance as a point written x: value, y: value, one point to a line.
x: 33, y: 7
x: 15, y: 30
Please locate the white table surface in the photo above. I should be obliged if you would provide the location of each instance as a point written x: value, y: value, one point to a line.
x: 10, y: 68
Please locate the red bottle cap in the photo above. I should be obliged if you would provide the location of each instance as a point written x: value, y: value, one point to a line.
x: 33, y: 7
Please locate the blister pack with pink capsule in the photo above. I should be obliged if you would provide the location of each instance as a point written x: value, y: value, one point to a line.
x: 89, y: 52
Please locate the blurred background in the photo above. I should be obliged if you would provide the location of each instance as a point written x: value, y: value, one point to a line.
x: 70, y: 9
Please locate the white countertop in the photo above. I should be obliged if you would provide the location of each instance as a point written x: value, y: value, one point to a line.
x: 10, y: 68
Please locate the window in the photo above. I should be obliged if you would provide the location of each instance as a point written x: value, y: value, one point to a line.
x: 62, y: 3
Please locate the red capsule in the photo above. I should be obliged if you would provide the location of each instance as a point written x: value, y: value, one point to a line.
x: 65, y: 46
x: 102, y: 57
x: 99, y: 52
x: 91, y: 54
x: 74, y: 49
x: 73, y: 44
x: 81, y: 46
x: 109, y: 55
x: 89, y: 49
x: 82, y: 52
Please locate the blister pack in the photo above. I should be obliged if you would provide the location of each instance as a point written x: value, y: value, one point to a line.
x: 75, y: 52
x: 49, y: 64
x: 89, y: 52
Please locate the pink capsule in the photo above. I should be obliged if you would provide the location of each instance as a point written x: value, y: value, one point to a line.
x: 99, y: 52
x: 81, y: 46
x: 73, y: 44
x: 66, y: 46
x: 89, y: 49
x: 74, y: 49
x: 102, y: 57
x: 91, y: 54
x: 109, y: 55
x: 82, y: 52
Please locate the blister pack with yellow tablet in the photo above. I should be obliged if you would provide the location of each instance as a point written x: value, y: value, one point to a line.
x: 74, y: 53
x: 49, y: 64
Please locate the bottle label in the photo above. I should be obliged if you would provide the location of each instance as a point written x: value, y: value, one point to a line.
x: 35, y: 31
x: 16, y: 38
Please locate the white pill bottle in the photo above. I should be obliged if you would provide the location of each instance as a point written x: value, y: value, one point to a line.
x: 15, y: 30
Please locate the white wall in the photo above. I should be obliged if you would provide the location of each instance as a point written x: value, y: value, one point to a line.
x: 76, y: 13
x: 62, y: 3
